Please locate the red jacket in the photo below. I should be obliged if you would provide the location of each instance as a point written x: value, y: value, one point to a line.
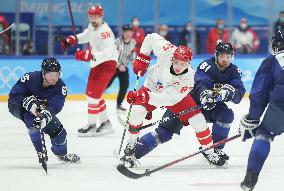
x: 4, y: 23
x: 138, y: 36
x: 212, y: 38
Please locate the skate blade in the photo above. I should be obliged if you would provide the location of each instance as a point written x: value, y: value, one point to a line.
x: 95, y: 134
x: 225, y: 166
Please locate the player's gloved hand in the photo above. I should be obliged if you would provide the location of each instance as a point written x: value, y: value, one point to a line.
x: 138, y: 97
x: 140, y: 64
x: 42, y: 119
x: 83, y: 55
x: 31, y: 104
x: 67, y: 42
x: 248, y: 127
x: 207, y: 99
x: 227, y: 92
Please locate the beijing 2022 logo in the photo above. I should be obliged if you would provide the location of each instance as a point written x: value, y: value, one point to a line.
x: 9, y: 76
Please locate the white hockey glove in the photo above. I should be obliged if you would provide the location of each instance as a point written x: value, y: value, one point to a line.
x: 207, y: 99
x: 248, y: 127
x: 42, y: 119
x: 227, y: 92
x: 31, y: 104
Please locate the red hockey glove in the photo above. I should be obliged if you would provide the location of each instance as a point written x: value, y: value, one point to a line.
x: 83, y: 55
x: 138, y: 97
x: 67, y: 42
x: 141, y: 64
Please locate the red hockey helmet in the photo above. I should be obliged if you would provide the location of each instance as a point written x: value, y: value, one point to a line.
x: 183, y: 53
x: 96, y: 10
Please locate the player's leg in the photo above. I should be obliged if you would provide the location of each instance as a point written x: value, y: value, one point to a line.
x: 97, y: 82
x: 162, y: 134
x: 198, y: 122
x: 58, y: 138
x: 123, y: 85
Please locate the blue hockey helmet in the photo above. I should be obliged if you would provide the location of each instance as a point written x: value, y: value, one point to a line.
x: 277, y: 42
x: 50, y: 65
x: 225, y: 48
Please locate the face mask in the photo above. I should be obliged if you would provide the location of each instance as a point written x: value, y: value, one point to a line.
x: 281, y: 19
x: 220, y: 26
x: 243, y: 26
x: 135, y: 23
x: 188, y: 28
x: 163, y: 33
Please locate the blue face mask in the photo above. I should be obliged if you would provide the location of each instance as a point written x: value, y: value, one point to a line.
x: 220, y: 26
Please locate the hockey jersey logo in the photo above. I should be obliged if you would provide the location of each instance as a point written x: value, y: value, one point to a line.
x: 159, y: 85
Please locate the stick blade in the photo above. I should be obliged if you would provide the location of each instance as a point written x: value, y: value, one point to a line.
x: 126, y: 172
x: 44, y: 166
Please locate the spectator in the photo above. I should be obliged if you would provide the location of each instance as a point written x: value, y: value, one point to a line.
x: 164, y: 32
x: 279, y: 24
x: 126, y: 47
x: 138, y: 33
x: 4, y: 37
x: 244, y: 39
x: 28, y: 48
x: 217, y: 33
x: 185, y: 37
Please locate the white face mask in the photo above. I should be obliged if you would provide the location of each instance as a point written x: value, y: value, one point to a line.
x: 188, y: 28
x: 243, y: 25
x: 163, y: 33
x: 135, y: 23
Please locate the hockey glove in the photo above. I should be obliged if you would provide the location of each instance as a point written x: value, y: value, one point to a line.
x: 31, y: 104
x: 67, y: 42
x: 227, y: 92
x: 83, y: 55
x: 138, y: 97
x: 207, y: 99
x: 42, y: 119
x: 247, y: 127
x: 141, y: 63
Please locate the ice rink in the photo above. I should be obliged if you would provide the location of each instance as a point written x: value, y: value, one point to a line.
x: 20, y: 170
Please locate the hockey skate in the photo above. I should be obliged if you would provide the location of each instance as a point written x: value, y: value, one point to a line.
x: 129, y: 160
x: 221, y: 154
x: 104, y: 129
x: 73, y: 158
x: 250, y: 180
x: 214, y: 159
x: 121, y: 110
x: 87, y: 131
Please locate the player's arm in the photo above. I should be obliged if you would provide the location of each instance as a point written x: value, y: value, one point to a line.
x: 83, y: 37
x: 259, y: 94
x: 202, y: 78
x: 20, y: 90
x: 239, y: 88
x: 56, y: 103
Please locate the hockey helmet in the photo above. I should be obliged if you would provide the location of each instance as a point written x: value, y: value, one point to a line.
x: 50, y: 65
x: 277, y: 42
x: 183, y: 53
x: 96, y: 10
x: 224, y: 48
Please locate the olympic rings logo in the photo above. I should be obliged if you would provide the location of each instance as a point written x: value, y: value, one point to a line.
x: 9, y: 76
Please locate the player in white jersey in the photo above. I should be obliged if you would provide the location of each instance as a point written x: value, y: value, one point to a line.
x: 102, y: 56
x: 168, y: 84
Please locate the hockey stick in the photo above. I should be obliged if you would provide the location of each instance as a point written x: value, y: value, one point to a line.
x: 71, y: 16
x: 128, y: 114
x: 44, y: 151
x: 126, y: 172
x: 13, y: 24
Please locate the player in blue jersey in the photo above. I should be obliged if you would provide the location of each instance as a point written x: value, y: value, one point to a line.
x: 36, y: 99
x: 215, y: 79
x: 267, y: 91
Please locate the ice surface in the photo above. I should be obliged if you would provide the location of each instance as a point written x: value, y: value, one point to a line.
x: 20, y: 170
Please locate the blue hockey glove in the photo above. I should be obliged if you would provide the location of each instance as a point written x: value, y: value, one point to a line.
x: 227, y: 92
x: 247, y: 127
x: 31, y: 104
x: 207, y: 99
x: 42, y: 119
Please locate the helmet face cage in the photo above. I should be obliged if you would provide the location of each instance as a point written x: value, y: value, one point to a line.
x: 50, y: 65
x: 277, y: 42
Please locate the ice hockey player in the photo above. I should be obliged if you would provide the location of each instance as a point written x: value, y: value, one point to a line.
x: 36, y: 99
x: 102, y: 56
x: 215, y: 77
x: 267, y: 91
x: 168, y: 84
